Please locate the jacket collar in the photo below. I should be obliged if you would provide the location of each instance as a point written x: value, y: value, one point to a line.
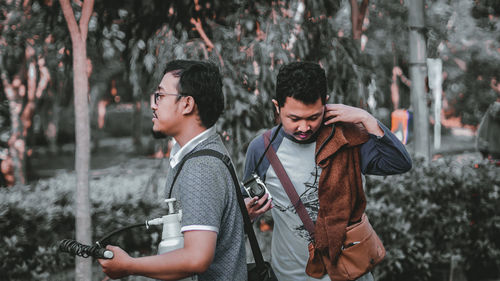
x: 345, y: 135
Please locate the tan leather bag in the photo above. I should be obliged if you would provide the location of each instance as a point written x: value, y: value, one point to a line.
x: 361, y: 251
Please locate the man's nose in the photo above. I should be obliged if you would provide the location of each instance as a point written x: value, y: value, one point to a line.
x: 154, y: 106
x: 304, y: 126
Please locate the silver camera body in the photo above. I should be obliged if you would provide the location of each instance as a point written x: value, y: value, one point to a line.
x: 255, y: 187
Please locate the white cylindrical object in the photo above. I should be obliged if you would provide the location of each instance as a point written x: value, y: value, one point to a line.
x: 171, y: 236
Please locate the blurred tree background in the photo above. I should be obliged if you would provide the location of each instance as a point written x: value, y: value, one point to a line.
x: 130, y: 41
x: 362, y: 45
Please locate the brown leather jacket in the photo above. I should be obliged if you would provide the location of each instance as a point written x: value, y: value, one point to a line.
x: 341, y: 197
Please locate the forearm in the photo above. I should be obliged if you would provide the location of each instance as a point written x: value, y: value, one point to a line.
x: 168, y: 266
x: 195, y: 257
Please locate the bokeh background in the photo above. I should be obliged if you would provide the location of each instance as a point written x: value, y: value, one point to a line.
x: 439, y: 221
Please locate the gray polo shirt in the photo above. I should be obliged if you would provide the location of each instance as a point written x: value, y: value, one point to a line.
x: 206, y: 194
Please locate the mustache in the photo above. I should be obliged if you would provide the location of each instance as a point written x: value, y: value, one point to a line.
x: 308, y: 132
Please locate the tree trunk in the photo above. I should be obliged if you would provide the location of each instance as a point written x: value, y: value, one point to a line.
x: 418, y: 72
x: 16, y: 141
x: 357, y: 17
x: 435, y: 67
x: 82, y: 157
x: 78, y: 33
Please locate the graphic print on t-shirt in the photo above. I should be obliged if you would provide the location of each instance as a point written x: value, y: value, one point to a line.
x: 310, y: 200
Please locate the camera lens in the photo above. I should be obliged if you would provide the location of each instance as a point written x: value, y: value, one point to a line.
x: 258, y: 191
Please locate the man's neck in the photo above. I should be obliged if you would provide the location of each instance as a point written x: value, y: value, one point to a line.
x: 188, y: 133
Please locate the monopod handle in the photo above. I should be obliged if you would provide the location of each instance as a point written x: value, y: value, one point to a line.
x: 75, y: 248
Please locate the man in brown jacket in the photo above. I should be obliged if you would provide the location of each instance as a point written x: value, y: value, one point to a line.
x: 324, y: 149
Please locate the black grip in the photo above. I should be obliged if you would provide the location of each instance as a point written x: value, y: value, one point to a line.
x: 75, y: 248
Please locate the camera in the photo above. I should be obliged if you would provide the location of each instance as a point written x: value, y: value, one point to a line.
x: 254, y: 186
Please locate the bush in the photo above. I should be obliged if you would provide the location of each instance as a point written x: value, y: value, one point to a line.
x: 34, y: 218
x: 426, y: 218
x: 434, y: 214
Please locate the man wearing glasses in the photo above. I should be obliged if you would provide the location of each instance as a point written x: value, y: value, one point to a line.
x: 186, y: 105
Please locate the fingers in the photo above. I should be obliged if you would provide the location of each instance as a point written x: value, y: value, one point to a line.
x: 344, y: 113
x: 250, y: 202
x: 256, y: 206
x: 333, y: 113
x: 266, y: 206
x: 332, y: 120
x: 262, y: 200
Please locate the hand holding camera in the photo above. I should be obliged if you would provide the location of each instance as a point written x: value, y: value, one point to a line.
x: 260, y: 198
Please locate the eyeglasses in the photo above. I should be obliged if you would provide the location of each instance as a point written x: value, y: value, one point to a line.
x: 158, y: 95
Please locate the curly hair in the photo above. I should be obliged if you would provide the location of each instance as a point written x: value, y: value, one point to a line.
x: 303, y: 81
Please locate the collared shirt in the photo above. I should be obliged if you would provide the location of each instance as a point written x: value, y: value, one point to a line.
x: 178, y: 152
x: 204, y: 191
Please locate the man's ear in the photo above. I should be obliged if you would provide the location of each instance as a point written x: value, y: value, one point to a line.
x: 189, y: 105
x: 275, y: 102
x: 327, y: 97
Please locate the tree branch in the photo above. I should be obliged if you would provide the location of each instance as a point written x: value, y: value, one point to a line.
x: 199, y: 28
x: 74, y: 31
x: 88, y: 7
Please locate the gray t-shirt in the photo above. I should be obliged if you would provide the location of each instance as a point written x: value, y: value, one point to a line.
x: 289, y: 235
x: 206, y: 194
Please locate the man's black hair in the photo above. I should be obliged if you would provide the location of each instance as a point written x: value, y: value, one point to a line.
x: 178, y: 66
x: 303, y: 81
x: 203, y: 82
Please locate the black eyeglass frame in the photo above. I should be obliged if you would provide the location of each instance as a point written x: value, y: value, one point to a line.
x: 157, y: 96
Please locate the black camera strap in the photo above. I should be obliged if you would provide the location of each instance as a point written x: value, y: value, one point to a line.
x: 257, y: 254
x: 267, y: 147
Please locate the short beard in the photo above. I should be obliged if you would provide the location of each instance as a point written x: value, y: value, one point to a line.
x: 158, y: 134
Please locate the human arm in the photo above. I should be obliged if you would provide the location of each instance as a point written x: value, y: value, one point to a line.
x: 195, y: 257
x: 383, y: 153
x: 343, y: 113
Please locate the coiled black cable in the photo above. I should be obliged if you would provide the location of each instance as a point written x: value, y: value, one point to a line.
x: 76, y: 248
x: 98, y: 251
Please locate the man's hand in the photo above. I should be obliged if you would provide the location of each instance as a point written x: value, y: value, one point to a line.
x: 343, y: 113
x: 194, y: 258
x: 118, y: 266
x: 256, y: 207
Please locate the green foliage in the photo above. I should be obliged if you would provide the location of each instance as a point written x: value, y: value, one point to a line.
x: 250, y: 45
x: 426, y: 218
x: 34, y: 218
x: 465, y: 36
x: 433, y: 214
